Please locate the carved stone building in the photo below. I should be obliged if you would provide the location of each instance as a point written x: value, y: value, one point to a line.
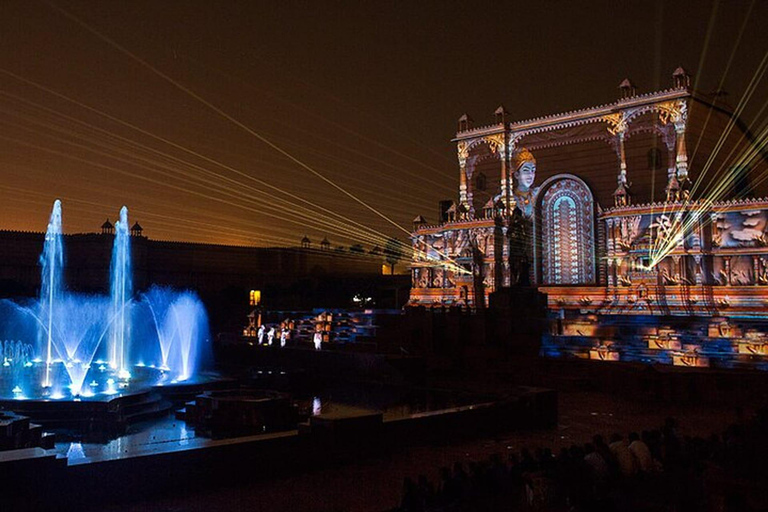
x: 648, y: 205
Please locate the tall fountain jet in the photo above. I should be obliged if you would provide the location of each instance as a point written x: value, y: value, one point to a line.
x: 52, y: 263
x: 121, y: 292
x: 69, y: 345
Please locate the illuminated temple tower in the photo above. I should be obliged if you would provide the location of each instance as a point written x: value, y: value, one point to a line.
x: 644, y: 206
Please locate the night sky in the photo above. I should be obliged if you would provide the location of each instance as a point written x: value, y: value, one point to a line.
x: 104, y: 103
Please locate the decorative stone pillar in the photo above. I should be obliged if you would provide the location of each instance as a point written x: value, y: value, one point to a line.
x: 673, y: 187
x: 696, y: 234
x: 682, y: 269
x: 505, y: 181
x: 681, y: 156
x: 716, y: 236
x: 463, y: 150
x: 622, y: 159
x: 505, y: 268
x: 611, y: 279
x: 610, y: 238
x: 670, y: 141
x: 621, y: 195
x: 679, y: 226
x: 463, y: 186
x: 755, y: 269
x: 698, y: 269
x: 680, y: 120
x: 510, y: 144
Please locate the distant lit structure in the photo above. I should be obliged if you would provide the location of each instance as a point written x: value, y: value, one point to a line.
x: 221, y: 274
x: 644, y: 207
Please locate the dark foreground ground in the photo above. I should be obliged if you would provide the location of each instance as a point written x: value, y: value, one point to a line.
x: 376, y: 484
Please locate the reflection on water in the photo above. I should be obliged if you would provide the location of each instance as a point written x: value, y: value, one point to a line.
x: 75, y: 451
x: 167, y: 434
x: 393, y: 401
x: 143, y: 438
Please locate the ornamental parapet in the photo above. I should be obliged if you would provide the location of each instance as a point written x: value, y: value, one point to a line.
x: 675, y: 300
x: 454, y: 225
x: 659, y: 207
x: 479, y: 131
x: 579, y: 114
x: 681, y: 206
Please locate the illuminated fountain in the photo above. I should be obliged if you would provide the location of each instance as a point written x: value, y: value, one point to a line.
x: 88, y: 347
x: 121, y: 288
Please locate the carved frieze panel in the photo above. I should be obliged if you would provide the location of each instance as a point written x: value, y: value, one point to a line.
x: 628, y: 231
x: 437, y: 278
x: 746, y: 228
x: 667, y: 231
x: 742, y: 271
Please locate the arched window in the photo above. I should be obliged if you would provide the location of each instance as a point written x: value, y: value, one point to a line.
x: 568, y: 240
x: 654, y: 159
x: 481, y: 182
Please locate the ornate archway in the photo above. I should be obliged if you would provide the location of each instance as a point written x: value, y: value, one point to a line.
x: 567, y: 240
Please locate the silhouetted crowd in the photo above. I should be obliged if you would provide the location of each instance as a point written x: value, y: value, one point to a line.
x: 656, y: 470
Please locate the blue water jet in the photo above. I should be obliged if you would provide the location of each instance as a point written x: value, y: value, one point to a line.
x: 51, y: 347
x: 121, y: 286
x: 52, y: 263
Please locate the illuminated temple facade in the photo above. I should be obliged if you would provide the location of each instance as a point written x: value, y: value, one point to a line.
x: 650, y: 207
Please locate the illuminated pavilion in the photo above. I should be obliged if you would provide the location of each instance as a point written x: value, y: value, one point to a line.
x: 649, y: 211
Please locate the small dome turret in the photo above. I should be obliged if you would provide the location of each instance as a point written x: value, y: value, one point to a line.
x: 107, y: 228
x: 136, y: 229
x: 501, y: 115
x: 418, y: 222
x: 465, y: 123
x: 681, y: 78
x: 628, y: 89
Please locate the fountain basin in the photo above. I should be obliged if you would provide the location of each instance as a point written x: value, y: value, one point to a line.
x: 239, y: 412
x: 72, y: 346
x: 104, y: 418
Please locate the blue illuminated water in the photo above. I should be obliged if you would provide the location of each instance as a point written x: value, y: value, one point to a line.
x: 121, y: 289
x: 67, y: 345
x: 52, y: 263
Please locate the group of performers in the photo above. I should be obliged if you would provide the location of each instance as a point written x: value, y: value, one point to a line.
x: 267, y: 336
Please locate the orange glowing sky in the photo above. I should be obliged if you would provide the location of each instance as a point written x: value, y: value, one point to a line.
x: 362, y: 96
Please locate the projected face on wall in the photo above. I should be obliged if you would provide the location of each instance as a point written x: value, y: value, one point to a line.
x: 525, y: 176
